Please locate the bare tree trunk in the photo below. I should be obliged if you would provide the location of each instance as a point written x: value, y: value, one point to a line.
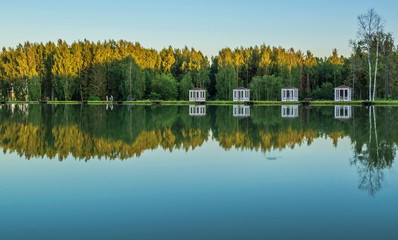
x: 353, y: 75
x: 370, y: 78
x: 81, y: 92
x: 375, y: 75
x: 26, y: 89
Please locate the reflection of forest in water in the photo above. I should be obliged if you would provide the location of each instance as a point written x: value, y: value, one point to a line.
x: 56, y: 131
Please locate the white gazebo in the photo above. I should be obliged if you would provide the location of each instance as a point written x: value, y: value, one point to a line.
x: 241, y: 111
x: 241, y: 94
x: 290, y: 111
x: 342, y: 93
x: 342, y: 112
x: 197, y: 110
x: 289, y: 94
x: 197, y: 95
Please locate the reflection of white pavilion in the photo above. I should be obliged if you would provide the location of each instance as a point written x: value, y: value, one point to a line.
x: 241, y: 111
x: 23, y: 108
x: 197, y: 110
x: 342, y: 93
x: 289, y: 111
x: 109, y: 106
x: 241, y: 94
x: 12, y: 107
x: 342, y: 112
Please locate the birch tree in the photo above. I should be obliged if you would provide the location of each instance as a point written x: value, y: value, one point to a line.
x: 369, y: 37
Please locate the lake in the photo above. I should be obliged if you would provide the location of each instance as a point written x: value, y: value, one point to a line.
x: 198, y: 172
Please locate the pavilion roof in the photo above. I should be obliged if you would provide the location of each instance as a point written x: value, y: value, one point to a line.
x: 241, y: 88
x: 342, y: 86
x: 198, y: 89
x: 289, y: 87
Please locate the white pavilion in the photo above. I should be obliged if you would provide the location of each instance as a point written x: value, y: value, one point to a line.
x: 290, y: 111
x: 289, y: 94
x: 241, y: 94
x: 197, y: 110
x: 342, y: 93
x: 342, y: 112
x: 197, y: 95
x: 241, y: 111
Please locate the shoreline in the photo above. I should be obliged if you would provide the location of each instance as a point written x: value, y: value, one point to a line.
x: 258, y: 103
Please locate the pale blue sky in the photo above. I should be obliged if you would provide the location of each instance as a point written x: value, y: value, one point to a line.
x: 206, y: 25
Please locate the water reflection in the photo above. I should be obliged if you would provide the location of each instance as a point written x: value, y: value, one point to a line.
x: 197, y: 110
x: 342, y: 112
x: 375, y: 150
x: 241, y: 111
x: 109, y: 107
x: 85, y: 132
x: 289, y: 111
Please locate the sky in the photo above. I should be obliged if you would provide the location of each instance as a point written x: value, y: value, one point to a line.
x: 315, y: 25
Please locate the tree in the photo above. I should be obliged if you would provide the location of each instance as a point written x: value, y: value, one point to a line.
x: 164, y: 86
x: 226, y: 80
x: 168, y: 59
x: 266, y: 87
x: 133, y: 79
x: 185, y: 85
x: 369, y: 38
x: 34, y: 86
x: 98, y: 79
x: 309, y: 63
x: 325, y: 92
x: 64, y: 71
x: 336, y: 64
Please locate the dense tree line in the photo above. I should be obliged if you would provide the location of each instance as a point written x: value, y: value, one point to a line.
x: 126, y: 70
x: 85, y: 69
x: 88, y: 70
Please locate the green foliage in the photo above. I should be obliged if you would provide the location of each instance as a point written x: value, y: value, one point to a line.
x: 125, y: 69
x: 64, y: 87
x: 165, y: 87
x: 98, y: 80
x: 34, y: 86
x: 132, y: 84
x: 226, y: 80
x: 325, y: 92
x: 93, y: 98
x: 266, y: 87
x: 4, y: 86
x: 185, y: 85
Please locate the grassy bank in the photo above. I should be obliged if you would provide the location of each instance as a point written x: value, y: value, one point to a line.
x: 159, y: 102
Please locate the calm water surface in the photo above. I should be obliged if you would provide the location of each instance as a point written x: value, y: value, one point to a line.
x: 198, y: 172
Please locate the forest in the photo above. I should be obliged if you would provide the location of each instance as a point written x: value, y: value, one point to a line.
x: 86, y: 70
